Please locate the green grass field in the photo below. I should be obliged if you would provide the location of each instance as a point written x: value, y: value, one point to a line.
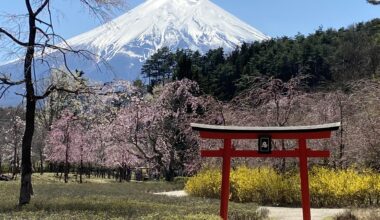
x: 108, y: 199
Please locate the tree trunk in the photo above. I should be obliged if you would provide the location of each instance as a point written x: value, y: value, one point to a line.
x: 67, y: 140
x: 15, y: 156
x: 169, y: 174
x: 89, y: 170
x: 66, y: 175
x: 81, y: 170
x: 26, y: 163
x: 129, y: 174
x: 26, y: 189
x: 120, y: 174
x: 57, y: 169
x: 67, y: 170
x: 14, y: 166
x: 41, y: 162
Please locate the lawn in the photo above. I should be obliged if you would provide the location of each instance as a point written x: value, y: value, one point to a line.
x: 108, y: 199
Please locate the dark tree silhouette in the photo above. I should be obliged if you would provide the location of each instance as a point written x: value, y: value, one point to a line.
x: 374, y: 2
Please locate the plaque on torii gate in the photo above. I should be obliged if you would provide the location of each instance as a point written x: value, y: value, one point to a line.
x: 264, y: 135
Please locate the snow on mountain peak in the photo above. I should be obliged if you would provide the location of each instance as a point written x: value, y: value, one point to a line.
x: 128, y: 40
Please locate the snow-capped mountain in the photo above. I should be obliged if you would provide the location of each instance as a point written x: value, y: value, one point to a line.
x: 127, y: 41
x: 122, y: 45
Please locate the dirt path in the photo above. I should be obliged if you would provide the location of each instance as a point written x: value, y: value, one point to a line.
x: 178, y: 193
x: 279, y: 213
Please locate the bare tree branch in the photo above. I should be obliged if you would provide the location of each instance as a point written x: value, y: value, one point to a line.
x: 6, y: 84
x: 5, y: 80
x: 53, y: 88
x: 43, y: 22
x: 29, y: 7
x: 13, y: 38
x: 102, y: 8
x: 44, y: 33
x: 3, y: 90
x: 39, y: 10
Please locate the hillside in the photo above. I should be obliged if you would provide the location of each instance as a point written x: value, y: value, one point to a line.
x: 329, y: 57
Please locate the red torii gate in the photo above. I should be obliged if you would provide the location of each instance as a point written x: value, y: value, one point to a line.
x: 301, y: 133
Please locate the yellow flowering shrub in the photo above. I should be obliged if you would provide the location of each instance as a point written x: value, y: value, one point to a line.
x: 257, y: 185
x: 290, y: 189
x: 328, y: 187
x: 206, y: 183
x: 342, y: 187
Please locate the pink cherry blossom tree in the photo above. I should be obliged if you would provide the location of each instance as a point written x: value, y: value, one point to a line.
x: 134, y: 137
x: 66, y: 141
x: 159, y: 131
x: 177, y: 106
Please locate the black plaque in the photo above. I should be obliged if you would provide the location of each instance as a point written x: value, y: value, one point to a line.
x: 265, y: 144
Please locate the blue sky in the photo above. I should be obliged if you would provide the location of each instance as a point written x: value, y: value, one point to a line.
x: 273, y: 17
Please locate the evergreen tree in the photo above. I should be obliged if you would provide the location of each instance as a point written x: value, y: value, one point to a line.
x: 159, y: 67
x: 330, y: 57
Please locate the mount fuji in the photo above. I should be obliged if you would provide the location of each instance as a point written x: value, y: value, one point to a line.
x: 122, y: 45
x: 127, y: 41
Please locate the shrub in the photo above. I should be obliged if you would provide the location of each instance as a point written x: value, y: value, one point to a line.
x: 207, y: 183
x: 328, y: 187
x: 258, y: 185
x: 343, y: 187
